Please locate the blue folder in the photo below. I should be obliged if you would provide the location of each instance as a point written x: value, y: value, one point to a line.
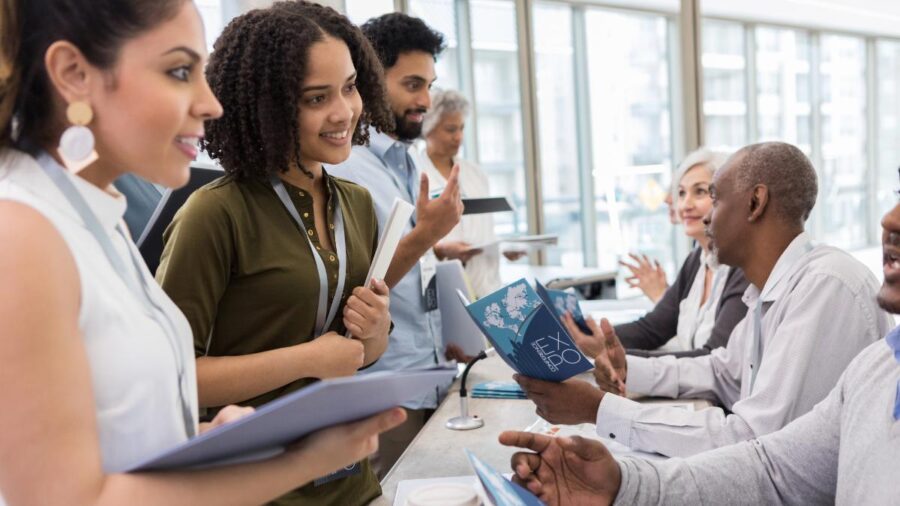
x: 281, y: 422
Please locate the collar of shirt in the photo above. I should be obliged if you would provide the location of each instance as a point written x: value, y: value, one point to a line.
x: 787, y: 264
x: 893, y: 340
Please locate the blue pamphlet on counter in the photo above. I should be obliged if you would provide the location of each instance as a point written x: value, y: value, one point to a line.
x: 501, y: 491
x: 563, y: 302
x: 527, y: 334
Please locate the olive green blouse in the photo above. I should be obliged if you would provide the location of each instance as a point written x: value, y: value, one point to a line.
x: 236, y: 264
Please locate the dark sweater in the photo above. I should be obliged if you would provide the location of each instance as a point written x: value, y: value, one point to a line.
x: 655, y: 329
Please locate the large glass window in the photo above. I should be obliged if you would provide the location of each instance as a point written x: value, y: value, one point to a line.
x: 558, y: 131
x: 843, y: 175
x: 724, y: 85
x: 628, y: 67
x: 498, y: 106
x: 440, y: 15
x: 888, y: 123
x: 783, y: 86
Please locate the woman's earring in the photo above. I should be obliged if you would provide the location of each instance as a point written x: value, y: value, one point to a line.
x: 76, y: 145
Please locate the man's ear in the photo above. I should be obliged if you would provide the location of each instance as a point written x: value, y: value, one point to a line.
x: 69, y: 71
x: 759, y: 201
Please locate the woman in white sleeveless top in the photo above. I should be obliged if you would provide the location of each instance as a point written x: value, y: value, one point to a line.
x: 97, y: 364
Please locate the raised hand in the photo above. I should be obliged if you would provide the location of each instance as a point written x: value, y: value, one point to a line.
x: 610, y: 367
x: 564, y: 471
x: 438, y: 216
x: 647, y: 275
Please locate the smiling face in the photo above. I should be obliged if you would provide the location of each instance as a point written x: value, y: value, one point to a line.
x: 150, y: 108
x: 409, y: 83
x: 694, y: 201
x: 330, y: 104
x: 889, y: 295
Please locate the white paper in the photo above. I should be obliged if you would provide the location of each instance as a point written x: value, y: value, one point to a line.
x: 390, y: 238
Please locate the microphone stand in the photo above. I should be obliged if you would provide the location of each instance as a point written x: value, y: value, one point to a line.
x: 464, y: 421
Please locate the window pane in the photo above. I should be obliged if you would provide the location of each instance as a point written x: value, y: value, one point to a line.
x: 440, y: 15
x: 213, y: 22
x: 888, y: 123
x: 360, y: 11
x: 842, y: 182
x: 724, y: 86
x: 560, y: 177
x: 630, y: 121
x: 783, y: 87
x: 498, y: 107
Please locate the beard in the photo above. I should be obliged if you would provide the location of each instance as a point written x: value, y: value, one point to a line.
x: 406, y: 130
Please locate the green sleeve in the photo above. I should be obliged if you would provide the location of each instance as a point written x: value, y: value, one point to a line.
x: 196, y: 262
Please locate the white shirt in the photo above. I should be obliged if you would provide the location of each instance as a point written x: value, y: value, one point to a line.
x: 846, y: 451
x: 819, y: 312
x: 483, y: 270
x: 696, y: 320
x: 134, y: 371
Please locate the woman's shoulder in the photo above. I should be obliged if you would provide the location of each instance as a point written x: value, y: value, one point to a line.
x: 355, y: 193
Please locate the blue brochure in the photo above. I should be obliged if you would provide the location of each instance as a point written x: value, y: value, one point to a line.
x: 562, y: 301
x: 501, y: 491
x: 274, y: 426
x: 527, y: 333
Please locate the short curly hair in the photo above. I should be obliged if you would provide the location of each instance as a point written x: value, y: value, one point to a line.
x: 396, y: 33
x: 257, y: 69
x: 788, y: 174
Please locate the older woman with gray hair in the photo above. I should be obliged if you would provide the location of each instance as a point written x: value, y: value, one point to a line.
x: 442, y: 129
x: 697, y: 313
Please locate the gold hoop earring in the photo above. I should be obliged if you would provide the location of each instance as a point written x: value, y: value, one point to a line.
x: 76, y: 144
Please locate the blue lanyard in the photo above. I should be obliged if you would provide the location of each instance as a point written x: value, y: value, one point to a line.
x: 138, y: 287
x: 324, y: 314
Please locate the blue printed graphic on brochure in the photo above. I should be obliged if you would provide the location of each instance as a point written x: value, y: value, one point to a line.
x: 562, y: 301
x: 527, y: 335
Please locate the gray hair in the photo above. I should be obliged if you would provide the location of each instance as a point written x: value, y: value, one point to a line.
x: 787, y: 173
x: 443, y: 102
x: 701, y: 157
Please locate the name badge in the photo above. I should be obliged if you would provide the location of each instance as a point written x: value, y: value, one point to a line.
x: 427, y: 271
x: 339, y: 474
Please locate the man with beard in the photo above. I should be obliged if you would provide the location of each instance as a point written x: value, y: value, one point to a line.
x: 845, y: 451
x: 407, y: 48
x: 810, y: 310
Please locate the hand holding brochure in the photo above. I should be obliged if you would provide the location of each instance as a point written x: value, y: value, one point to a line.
x: 501, y: 491
x: 562, y: 302
x: 279, y: 423
x: 390, y: 239
x: 527, y: 333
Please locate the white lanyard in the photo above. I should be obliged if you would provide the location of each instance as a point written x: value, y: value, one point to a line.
x: 756, y: 348
x: 138, y: 287
x: 324, y: 315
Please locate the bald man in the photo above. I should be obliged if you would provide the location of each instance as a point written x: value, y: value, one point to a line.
x: 810, y: 310
x: 845, y: 451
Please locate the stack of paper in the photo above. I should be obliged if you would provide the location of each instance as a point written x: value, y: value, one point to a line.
x: 498, y: 390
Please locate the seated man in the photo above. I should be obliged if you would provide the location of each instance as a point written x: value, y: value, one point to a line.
x: 811, y: 309
x: 846, y: 451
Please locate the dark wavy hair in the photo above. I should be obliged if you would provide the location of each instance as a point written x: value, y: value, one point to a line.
x: 98, y: 28
x: 396, y: 33
x: 257, y: 69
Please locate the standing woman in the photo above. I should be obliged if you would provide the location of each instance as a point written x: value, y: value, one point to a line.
x: 443, y: 131
x: 269, y: 263
x: 96, y: 366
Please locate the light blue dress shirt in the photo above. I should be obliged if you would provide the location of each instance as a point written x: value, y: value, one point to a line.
x: 893, y: 340
x: 388, y: 172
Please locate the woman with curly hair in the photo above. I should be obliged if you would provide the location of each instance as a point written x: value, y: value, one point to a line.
x: 96, y: 361
x: 269, y: 263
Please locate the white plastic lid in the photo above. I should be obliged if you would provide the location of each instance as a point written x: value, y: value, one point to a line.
x: 444, y: 494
